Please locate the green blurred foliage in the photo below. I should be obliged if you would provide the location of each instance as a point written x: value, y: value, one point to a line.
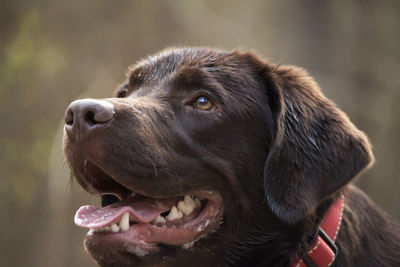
x: 52, y: 52
x: 17, y: 58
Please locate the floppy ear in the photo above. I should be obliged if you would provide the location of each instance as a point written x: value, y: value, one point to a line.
x: 316, y: 149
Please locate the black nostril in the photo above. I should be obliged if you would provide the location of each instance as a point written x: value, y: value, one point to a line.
x: 89, y: 118
x: 69, y: 117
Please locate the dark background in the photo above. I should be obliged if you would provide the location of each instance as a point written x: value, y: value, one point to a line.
x: 52, y: 52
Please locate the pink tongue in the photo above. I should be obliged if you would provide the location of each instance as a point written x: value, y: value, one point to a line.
x: 142, y: 210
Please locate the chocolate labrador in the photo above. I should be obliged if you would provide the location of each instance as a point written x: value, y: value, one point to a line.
x: 212, y: 157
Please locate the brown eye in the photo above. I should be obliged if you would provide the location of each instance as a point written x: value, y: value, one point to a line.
x: 203, y: 103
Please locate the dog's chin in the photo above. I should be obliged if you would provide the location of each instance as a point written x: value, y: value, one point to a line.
x: 112, y: 251
x: 142, y: 228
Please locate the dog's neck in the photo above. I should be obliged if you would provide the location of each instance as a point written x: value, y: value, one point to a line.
x: 323, y: 250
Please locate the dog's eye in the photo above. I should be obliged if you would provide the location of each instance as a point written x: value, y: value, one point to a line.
x: 203, y: 103
x: 123, y: 93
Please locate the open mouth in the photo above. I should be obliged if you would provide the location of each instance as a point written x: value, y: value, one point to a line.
x: 143, y: 221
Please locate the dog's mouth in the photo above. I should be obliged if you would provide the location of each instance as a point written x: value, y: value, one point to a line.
x: 140, y: 222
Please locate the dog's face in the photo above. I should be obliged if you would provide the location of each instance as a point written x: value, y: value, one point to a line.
x: 207, y: 156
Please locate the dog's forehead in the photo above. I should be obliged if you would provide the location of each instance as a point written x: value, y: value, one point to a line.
x: 173, y: 63
x: 228, y: 75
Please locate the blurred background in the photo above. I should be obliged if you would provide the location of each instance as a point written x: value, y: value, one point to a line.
x: 52, y: 52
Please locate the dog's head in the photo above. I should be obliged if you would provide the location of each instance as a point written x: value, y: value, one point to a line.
x: 208, y: 156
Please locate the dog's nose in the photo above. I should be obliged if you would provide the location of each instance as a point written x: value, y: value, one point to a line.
x: 86, y: 115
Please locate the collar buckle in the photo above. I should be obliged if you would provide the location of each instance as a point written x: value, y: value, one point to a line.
x: 306, y: 258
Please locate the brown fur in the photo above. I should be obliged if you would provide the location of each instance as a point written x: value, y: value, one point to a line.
x: 275, y: 147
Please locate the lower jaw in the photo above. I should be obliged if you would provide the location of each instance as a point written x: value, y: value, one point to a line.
x: 144, y: 239
x: 101, y: 243
x: 119, y: 253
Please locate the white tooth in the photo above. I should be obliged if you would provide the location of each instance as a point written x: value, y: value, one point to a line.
x: 107, y: 228
x: 159, y: 219
x: 124, y: 223
x: 189, y: 201
x: 114, y: 227
x: 174, y: 214
x: 197, y: 202
x: 185, y: 208
x: 133, y: 194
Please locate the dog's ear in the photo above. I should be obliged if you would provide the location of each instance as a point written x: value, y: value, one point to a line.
x: 315, y: 151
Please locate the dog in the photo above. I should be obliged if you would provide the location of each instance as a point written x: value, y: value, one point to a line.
x: 213, y: 157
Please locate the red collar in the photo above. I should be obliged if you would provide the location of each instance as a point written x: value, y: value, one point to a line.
x: 323, y: 251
